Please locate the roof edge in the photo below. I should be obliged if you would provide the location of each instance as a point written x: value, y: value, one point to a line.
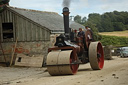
x: 26, y: 18
x: 31, y: 10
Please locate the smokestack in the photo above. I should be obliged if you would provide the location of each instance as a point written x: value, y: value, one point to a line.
x: 66, y: 20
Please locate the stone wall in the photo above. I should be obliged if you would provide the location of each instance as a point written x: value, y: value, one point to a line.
x: 38, y: 48
x: 107, y: 52
x: 26, y: 48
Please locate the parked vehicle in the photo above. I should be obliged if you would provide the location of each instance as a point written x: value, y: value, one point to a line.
x: 124, y: 52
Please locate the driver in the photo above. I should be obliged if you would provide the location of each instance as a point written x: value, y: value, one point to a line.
x: 81, y: 33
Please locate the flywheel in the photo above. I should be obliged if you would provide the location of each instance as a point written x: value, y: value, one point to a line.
x: 96, y: 55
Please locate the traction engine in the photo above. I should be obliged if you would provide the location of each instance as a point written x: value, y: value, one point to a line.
x: 69, y: 51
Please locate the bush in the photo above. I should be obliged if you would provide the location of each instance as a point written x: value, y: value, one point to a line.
x: 114, y: 40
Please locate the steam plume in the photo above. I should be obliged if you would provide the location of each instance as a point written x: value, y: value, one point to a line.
x: 66, y: 3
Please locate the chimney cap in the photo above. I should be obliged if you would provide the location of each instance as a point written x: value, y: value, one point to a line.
x: 65, y: 9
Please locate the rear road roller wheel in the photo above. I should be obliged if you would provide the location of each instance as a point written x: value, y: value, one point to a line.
x: 60, y: 62
x: 96, y: 55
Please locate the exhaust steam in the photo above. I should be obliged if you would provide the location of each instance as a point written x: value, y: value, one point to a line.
x: 66, y: 3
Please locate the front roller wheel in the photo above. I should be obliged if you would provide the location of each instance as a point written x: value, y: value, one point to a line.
x: 96, y: 55
x: 61, y: 62
x: 52, y: 59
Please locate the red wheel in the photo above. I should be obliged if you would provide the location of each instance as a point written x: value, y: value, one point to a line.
x: 100, y: 55
x: 96, y: 55
x: 74, y: 67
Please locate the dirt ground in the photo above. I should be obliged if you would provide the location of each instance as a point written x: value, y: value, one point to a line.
x: 115, y: 72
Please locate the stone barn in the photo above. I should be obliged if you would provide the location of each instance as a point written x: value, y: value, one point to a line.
x: 31, y: 29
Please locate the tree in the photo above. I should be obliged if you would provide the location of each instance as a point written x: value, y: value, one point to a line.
x: 3, y: 4
x: 119, y: 26
x: 80, y: 20
x: 95, y: 18
x: 71, y: 18
x: 107, y: 22
x: 83, y: 21
x: 77, y: 19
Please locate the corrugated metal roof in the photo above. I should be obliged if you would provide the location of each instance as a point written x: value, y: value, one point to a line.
x: 51, y: 20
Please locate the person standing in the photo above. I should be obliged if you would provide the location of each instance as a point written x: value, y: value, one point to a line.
x: 90, y: 37
x: 81, y: 33
x: 87, y: 28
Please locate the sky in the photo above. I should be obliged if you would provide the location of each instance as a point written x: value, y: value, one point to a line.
x: 76, y: 7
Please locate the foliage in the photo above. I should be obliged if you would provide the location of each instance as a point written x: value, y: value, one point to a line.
x: 114, y: 40
x: 79, y: 19
x: 95, y: 19
x: 107, y: 22
x: 3, y: 4
x: 119, y: 26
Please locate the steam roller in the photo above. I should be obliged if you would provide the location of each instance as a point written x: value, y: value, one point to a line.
x: 70, y: 51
